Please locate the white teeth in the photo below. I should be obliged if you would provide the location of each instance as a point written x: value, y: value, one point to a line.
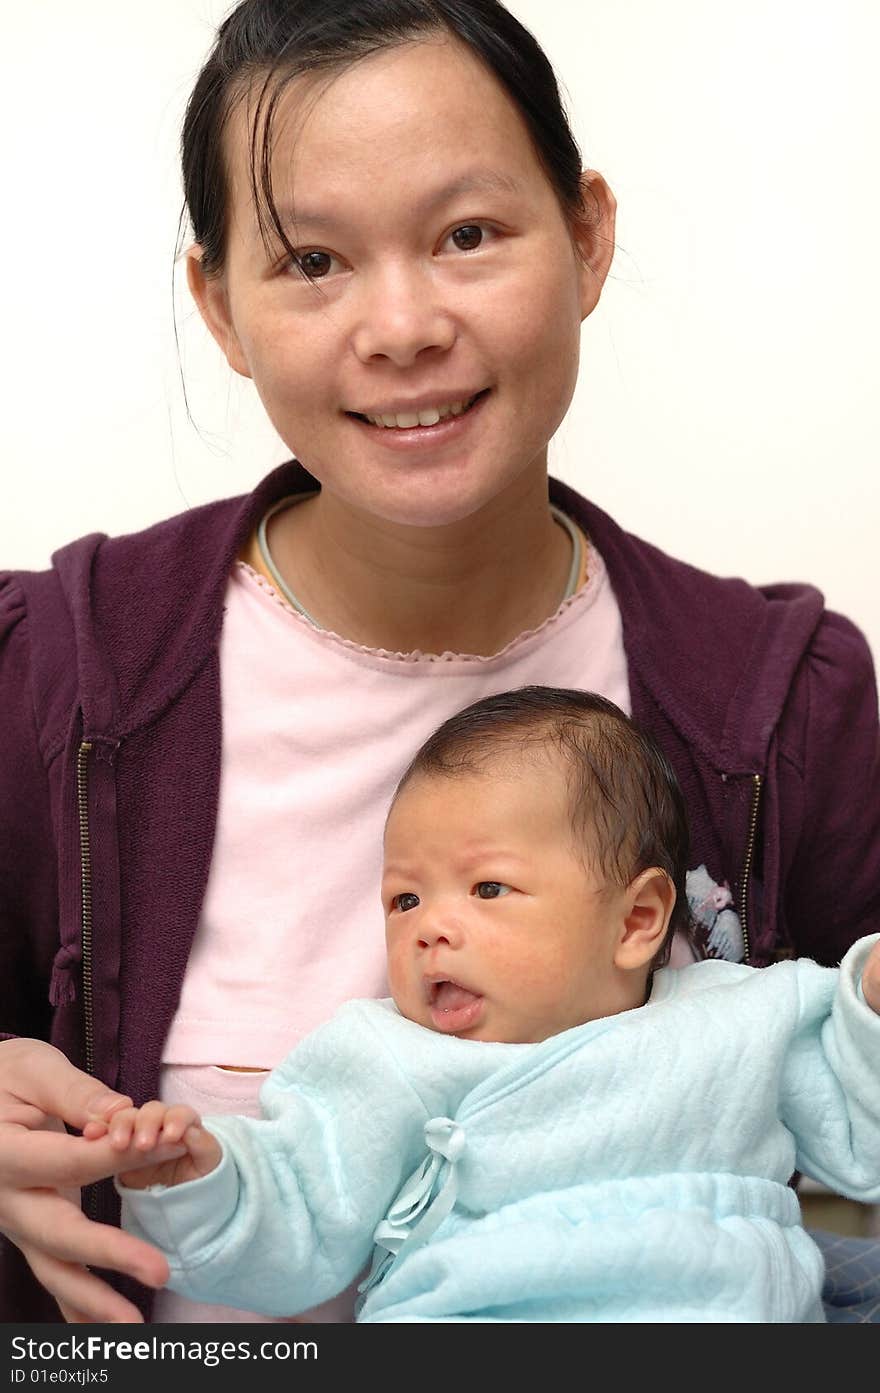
x: 406, y: 420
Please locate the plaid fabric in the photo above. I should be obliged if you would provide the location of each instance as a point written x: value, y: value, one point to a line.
x: 851, y: 1294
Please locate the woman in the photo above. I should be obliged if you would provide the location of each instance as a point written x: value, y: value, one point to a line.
x: 394, y: 238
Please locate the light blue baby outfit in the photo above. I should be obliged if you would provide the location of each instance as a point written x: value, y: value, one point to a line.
x: 632, y: 1169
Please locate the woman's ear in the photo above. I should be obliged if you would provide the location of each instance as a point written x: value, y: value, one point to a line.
x: 593, y: 234
x: 648, y: 904
x: 209, y: 293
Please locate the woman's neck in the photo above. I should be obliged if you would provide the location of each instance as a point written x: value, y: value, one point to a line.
x: 470, y: 587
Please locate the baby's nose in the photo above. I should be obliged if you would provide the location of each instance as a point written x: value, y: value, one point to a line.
x: 439, y: 928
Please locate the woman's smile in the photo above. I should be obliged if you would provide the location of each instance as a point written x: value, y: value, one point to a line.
x: 441, y: 306
x: 427, y: 429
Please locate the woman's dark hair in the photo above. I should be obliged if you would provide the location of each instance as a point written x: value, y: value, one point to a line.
x: 270, y: 42
x: 627, y: 809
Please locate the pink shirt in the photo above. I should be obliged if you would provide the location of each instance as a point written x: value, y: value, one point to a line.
x: 316, y: 733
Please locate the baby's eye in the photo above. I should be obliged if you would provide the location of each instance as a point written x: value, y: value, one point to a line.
x: 313, y: 265
x: 405, y: 901
x: 491, y: 889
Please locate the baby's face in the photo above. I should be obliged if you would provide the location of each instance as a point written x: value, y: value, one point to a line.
x: 494, y: 927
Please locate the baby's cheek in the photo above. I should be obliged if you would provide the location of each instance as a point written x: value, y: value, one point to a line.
x: 526, y: 964
x: 551, y: 979
x: 397, y: 976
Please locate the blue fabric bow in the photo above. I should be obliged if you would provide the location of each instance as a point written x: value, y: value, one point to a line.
x: 421, y: 1204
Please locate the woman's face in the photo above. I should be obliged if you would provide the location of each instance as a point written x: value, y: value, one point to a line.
x: 441, y: 266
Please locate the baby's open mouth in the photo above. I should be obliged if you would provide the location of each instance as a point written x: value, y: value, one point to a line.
x: 453, y: 1008
x: 450, y: 996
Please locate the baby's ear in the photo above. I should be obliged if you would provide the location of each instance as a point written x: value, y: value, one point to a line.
x: 648, y: 904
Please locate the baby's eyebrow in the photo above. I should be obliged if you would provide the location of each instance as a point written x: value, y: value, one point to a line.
x: 396, y: 870
x: 492, y: 854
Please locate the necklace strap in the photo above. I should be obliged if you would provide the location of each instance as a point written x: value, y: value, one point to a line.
x: 577, y: 550
x: 265, y: 553
x: 575, y: 574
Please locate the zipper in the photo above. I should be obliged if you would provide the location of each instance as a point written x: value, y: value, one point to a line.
x: 757, y: 784
x: 85, y: 857
x: 90, y: 1196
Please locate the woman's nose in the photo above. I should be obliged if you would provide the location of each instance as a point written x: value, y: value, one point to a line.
x: 400, y: 317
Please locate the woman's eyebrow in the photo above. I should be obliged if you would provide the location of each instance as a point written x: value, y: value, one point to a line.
x: 473, y: 181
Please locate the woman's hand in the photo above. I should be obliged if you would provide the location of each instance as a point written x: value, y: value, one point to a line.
x: 871, y: 978
x: 136, y: 1137
x: 41, y: 1171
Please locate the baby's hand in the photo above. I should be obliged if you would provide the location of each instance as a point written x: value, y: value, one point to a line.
x: 871, y: 978
x: 135, y: 1135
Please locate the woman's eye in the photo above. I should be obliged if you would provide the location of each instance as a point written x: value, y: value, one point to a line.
x: 468, y: 237
x: 313, y: 265
x: 491, y: 889
x: 405, y: 901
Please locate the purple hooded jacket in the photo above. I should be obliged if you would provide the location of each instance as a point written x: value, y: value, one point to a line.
x: 764, y: 702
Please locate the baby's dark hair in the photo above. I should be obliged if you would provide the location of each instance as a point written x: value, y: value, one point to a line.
x: 627, y: 808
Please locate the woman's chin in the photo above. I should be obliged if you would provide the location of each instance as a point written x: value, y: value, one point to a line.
x: 440, y: 497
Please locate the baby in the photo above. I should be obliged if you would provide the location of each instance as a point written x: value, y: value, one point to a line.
x: 544, y: 1123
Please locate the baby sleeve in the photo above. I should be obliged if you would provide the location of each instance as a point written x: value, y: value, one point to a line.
x: 286, y: 1220
x: 830, y: 1084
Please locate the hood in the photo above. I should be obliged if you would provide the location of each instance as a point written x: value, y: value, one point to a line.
x: 718, y: 654
x: 147, y: 608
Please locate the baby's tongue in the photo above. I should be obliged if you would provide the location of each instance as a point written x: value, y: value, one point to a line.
x: 450, y: 996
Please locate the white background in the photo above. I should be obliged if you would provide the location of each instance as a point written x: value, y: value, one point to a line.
x: 728, y: 402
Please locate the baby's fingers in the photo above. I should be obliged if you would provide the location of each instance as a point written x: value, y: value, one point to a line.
x: 119, y: 1130
x: 177, y: 1119
x: 204, y: 1149
x: 148, y: 1127
x: 137, y: 1127
x: 116, y: 1161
